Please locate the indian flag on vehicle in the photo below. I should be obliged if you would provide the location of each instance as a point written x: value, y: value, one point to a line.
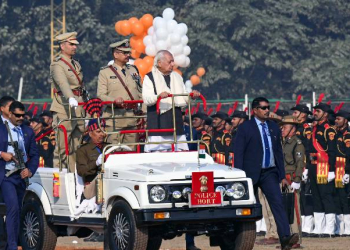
x: 201, y: 151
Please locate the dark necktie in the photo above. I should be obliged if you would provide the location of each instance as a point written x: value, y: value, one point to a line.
x: 74, y: 65
x: 123, y: 70
x: 266, y: 146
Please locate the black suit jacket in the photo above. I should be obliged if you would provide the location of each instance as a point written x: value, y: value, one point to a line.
x: 30, y: 146
x: 249, y: 151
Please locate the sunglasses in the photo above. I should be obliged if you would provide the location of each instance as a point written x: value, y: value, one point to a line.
x: 18, y: 115
x: 263, y: 107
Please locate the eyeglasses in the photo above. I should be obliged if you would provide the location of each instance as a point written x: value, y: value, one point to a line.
x: 263, y: 107
x: 18, y: 115
x: 124, y: 52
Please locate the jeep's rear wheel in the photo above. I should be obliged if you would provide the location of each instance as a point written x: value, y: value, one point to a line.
x: 243, y: 237
x: 123, y: 232
x: 35, y: 232
x: 154, y: 243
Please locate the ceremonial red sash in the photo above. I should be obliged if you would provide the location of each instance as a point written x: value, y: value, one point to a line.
x: 322, y: 160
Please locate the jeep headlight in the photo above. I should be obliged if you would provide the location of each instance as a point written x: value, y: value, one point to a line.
x: 238, y: 190
x: 157, y: 193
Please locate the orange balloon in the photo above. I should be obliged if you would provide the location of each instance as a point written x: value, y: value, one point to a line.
x: 139, y: 46
x: 142, y: 67
x: 117, y: 27
x: 137, y: 28
x: 137, y: 62
x: 135, y: 54
x: 201, y: 71
x: 133, y: 41
x: 178, y: 71
x: 149, y: 60
x: 125, y: 28
x: 147, y: 20
x: 195, y: 80
x: 133, y: 20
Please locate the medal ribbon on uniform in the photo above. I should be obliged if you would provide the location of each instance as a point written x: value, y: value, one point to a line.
x: 322, y: 160
x: 339, y: 171
x: 219, y: 158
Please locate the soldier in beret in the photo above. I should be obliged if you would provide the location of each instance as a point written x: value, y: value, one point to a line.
x: 117, y: 83
x: 237, y: 118
x: 320, y: 169
x: 304, y: 132
x: 342, y: 170
x: 221, y: 140
x: 46, y: 149
x: 66, y: 77
x: 294, y: 161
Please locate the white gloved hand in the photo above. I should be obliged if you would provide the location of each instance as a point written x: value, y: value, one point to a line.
x: 345, y: 179
x: 99, y: 160
x: 295, y: 186
x: 331, y: 176
x: 305, y: 175
x: 73, y: 103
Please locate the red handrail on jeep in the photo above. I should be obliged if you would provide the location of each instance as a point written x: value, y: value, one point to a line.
x: 191, y: 94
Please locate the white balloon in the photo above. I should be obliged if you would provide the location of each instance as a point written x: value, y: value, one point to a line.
x: 184, y: 28
x: 187, y: 50
x: 154, y: 39
x: 180, y: 29
x: 161, y: 45
x: 150, y: 31
x: 188, y: 61
x: 147, y: 40
x: 180, y: 60
x: 155, y: 21
x: 177, y: 49
x: 171, y: 25
x: 168, y: 43
x: 162, y: 34
x: 168, y: 14
x: 175, y: 38
x: 184, y: 40
x: 151, y: 50
x: 161, y: 24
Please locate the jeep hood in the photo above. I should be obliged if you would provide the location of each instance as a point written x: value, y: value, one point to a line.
x: 156, y: 167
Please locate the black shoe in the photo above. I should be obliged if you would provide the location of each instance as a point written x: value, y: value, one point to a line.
x: 192, y: 248
x: 288, y: 242
x: 314, y: 235
x: 306, y: 235
x: 98, y: 238
x: 327, y: 236
x: 261, y: 233
x: 91, y: 237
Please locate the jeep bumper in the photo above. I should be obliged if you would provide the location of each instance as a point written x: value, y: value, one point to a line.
x: 187, y: 215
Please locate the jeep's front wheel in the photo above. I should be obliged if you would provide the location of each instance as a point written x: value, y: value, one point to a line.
x: 243, y: 237
x: 123, y: 233
x: 35, y: 232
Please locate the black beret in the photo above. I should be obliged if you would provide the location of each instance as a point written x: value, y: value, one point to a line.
x: 221, y: 115
x: 302, y: 108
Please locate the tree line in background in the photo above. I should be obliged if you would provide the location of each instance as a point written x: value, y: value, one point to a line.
x: 275, y: 48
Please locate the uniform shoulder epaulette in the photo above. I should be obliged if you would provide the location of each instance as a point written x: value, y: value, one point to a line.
x: 133, y: 66
x: 305, y: 125
x: 57, y: 59
x: 299, y: 142
x: 104, y: 67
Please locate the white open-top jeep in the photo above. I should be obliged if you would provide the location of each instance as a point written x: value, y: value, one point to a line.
x: 143, y: 198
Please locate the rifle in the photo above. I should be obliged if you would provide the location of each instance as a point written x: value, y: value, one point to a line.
x: 18, y: 154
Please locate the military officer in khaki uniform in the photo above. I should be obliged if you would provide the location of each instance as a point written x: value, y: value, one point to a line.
x: 295, y: 161
x: 117, y: 83
x: 66, y: 78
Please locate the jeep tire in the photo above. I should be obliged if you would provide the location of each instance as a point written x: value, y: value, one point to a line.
x: 35, y: 232
x: 123, y: 234
x: 243, y: 237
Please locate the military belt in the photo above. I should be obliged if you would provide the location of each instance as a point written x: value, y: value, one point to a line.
x: 76, y: 92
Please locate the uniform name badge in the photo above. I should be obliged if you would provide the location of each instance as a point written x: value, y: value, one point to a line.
x: 203, y: 193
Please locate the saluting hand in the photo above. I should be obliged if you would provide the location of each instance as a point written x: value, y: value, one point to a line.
x: 26, y: 173
x: 8, y: 157
x: 196, y: 94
